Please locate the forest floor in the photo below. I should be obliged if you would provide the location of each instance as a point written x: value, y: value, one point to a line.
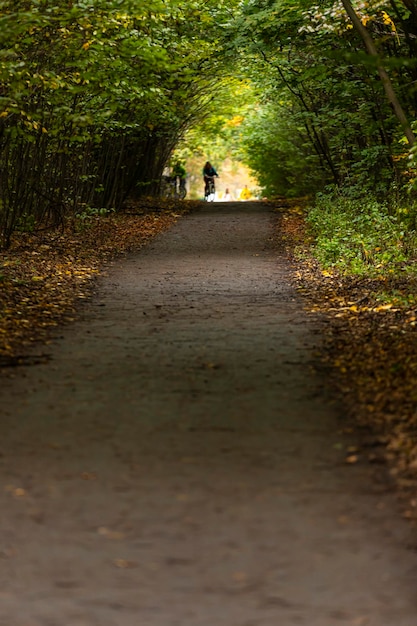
x: 177, y: 455
x: 370, y: 351
x: 45, y: 275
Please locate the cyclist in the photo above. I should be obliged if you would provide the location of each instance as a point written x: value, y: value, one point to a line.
x: 209, y: 173
x: 179, y: 172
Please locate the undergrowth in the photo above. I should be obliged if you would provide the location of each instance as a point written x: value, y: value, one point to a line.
x: 363, y: 236
x: 357, y: 270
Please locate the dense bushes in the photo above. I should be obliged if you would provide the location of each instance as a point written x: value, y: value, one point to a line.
x: 363, y: 235
x: 276, y: 148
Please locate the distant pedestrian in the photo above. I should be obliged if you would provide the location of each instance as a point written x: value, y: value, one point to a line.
x: 245, y: 194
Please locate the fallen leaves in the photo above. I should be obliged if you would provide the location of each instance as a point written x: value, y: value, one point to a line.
x: 16, y: 492
x: 88, y: 476
x: 43, y: 276
x: 370, y: 350
x: 110, y: 534
x: 124, y: 564
x: 352, y: 459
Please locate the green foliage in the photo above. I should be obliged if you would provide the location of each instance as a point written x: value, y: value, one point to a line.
x: 217, y: 135
x: 25, y: 223
x: 94, y: 96
x: 412, y: 166
x: 277, y: 150
x: 362, y: 235
x: 307, y: 55
x: 89, y: 213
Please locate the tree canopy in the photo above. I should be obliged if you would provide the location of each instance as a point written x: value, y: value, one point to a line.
x: 337, y: 85
x: 95, y: 95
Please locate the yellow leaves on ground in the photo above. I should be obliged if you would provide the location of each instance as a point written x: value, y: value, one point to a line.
x: 16, y: 492
x: 352, y: 459
x: 110, y: 534
x: 88, y: 476
x: 124, y: 564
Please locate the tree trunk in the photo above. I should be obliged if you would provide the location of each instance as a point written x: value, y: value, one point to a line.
x: 383, y: 74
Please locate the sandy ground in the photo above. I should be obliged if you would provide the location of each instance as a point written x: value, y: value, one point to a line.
x: 177, y: 460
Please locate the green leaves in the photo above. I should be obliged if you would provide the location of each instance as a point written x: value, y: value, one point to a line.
x: 307, y: 54
x: 95, y: 94
x: 358, y: 235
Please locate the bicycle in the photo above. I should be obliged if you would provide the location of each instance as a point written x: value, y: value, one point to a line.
x: 173, y: 187
x: 181, y: 189
x: 209, y: 189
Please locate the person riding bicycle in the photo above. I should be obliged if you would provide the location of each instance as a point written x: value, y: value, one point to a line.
x: 209, y: 172
x: 179, y: 171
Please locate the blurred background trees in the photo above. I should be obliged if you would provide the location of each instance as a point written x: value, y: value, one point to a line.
x: 94, y: 97
x: 98, y: 97
x: 321, y: 93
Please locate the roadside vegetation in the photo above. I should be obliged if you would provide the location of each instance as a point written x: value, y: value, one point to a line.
x: 368, y: 320
x: 94, y: 97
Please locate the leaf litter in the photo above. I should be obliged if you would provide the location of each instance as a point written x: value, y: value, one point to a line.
x: 45, y: 275
x: 369, y: 351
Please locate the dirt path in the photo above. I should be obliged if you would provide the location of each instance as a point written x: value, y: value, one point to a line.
x: 178, y: 462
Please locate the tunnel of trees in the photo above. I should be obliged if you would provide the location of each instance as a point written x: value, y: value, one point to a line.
x: 97, y: 95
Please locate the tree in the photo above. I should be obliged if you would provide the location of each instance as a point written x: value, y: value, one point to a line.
x: 385, y: 79
x: 313, y: 53
x: 95, y: 95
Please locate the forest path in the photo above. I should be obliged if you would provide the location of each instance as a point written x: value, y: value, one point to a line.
x: 177, y: 461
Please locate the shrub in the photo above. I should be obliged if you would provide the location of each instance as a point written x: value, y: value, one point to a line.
x: 362, y: 235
